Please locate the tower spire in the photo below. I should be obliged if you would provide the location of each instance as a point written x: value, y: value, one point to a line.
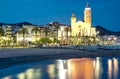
x: 87, y: 13
x: 87, y: 5
x: 73, y: 14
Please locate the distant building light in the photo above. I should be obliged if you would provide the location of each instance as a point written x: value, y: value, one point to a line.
x: 50, y: 22
x: 97, y: 32
x: 109, y: 38
x: 68, y: 33
x: 62, y: 28
x: 115, y: 38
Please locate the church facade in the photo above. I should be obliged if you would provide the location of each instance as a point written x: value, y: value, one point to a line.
x: 83, y: 28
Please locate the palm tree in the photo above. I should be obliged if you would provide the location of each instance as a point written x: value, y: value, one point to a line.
x: 36, y: 30
x: 56, y: 24
x: 24, y: 31
x: 1, y: 32
x: 52, y: 34
x: 66, y: 30
x: 40, y: 31
x: 46, y: 31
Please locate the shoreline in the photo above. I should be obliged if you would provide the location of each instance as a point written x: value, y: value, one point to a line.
x: 11, y: 57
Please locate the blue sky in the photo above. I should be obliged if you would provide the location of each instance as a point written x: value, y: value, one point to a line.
x: 104, y: 12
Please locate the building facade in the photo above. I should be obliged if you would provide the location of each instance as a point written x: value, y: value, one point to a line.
x: 83, y: 28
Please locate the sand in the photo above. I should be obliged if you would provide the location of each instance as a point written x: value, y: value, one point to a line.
x: 14, y: 56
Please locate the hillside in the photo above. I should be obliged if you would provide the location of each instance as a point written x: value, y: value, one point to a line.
x: 103, y: 31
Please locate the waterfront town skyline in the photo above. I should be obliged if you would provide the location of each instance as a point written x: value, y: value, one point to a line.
x: 104, y: 13
x: 81, y: 32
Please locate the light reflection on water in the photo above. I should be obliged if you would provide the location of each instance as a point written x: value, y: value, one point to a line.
x: 78, y: 68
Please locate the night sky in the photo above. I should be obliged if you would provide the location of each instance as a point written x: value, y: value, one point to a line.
x: 104, y: 12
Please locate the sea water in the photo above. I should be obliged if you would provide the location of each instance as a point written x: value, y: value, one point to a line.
x: 75, y: 68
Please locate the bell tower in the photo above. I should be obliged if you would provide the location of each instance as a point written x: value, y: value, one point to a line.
x: 73, y: 24
x: 87, y: 14
x: 73, y: 18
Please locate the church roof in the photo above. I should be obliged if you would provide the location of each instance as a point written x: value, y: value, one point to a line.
x: 80, y: 21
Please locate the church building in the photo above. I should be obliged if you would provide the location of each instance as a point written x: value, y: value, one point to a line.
x: 83, y: 28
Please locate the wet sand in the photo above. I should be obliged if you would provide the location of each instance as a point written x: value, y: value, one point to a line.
x: 10, y: 57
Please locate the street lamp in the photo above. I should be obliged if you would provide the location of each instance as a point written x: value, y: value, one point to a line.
x: 98, y: 38
x: 62, y: 29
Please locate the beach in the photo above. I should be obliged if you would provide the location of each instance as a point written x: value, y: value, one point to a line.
x: 14, y: 56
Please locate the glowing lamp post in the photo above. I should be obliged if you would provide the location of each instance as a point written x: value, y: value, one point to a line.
x: 98, y: 38
x: 115, y: 40
x: 62, y: 29
x: 68, y: 37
